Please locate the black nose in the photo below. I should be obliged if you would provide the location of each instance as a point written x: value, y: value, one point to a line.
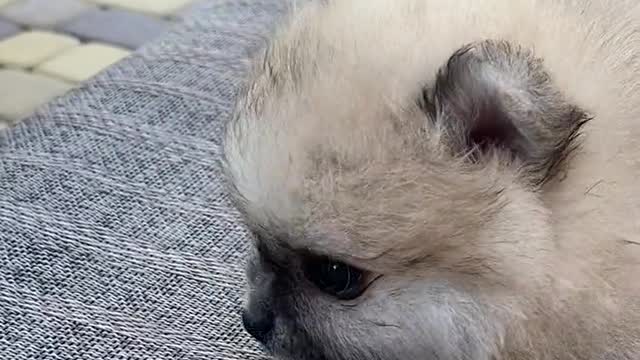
x: 258, y: 324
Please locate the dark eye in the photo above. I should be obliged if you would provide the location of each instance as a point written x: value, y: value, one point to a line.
x: 335, y: 278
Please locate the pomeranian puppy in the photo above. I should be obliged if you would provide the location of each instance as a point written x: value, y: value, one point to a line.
x: 443, y: 179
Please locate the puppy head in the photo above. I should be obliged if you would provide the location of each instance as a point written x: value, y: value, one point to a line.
x: 407, y: 230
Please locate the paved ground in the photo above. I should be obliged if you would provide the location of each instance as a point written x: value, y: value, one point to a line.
x: 49, y: 46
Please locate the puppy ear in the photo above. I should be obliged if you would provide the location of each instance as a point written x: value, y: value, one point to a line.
x: 491, y: 96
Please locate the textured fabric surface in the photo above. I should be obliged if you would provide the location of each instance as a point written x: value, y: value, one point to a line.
x: 116, y: 238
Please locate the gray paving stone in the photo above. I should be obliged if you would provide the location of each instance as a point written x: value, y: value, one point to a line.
x: 7, y: 29
x: 44, y: 13
x: 117, y: 27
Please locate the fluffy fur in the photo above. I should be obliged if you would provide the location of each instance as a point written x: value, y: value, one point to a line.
x: 479, y: 159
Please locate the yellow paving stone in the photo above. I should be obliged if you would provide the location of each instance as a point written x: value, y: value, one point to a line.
x: 30, y: 48
x: 5, y: 2
x: 154, y: 7
x: 22, y: 92
x: 82, y: 62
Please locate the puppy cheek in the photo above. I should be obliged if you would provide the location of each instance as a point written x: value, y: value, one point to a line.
x: 411, y: 321
x: 301, y: 330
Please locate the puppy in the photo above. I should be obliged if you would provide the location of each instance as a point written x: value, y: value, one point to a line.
x: 443, y: 179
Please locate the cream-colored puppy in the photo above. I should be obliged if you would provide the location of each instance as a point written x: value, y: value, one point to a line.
x: 444, y: 179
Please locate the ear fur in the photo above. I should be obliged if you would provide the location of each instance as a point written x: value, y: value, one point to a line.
x: 492, y: 96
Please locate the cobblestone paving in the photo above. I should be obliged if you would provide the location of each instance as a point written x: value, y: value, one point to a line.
x: 49, y: 46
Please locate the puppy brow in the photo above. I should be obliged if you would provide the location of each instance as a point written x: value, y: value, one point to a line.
x: 274, y: 251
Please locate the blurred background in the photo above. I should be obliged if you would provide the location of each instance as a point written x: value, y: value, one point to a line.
x: 49, y: 46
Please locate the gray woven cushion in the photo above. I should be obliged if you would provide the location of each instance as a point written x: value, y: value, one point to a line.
x: 116, y: 238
